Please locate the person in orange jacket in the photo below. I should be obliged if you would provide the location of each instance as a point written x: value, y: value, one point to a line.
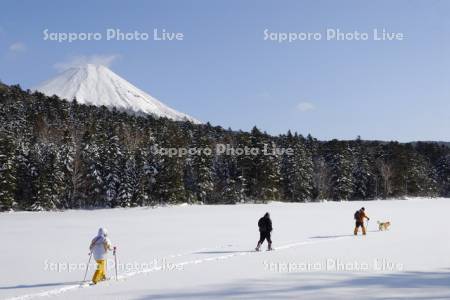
x: 360, y: 215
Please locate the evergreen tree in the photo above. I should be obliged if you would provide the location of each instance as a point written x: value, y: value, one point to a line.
x: 113, y: 168
x: 363, y: 179
x: 321, y: 178
x: 443, y: 172
x: 297, y: 170
x: 265, y: 177
x: 92, y: 162
x: 202, y: 169
x: 341, y: 179
x: 138, y: 179
x: 8, y: 182
x: 128, y: 184
x: 245, y: 165
x: 421, y: 178
x: 229, y: 182
x: 152, y: 161
x: 65, y: 164
x: 50, y: 188
x: 169, y: 185
x: 26, y: 176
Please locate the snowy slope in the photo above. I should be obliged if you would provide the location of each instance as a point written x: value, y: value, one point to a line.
x: 212, y: 245
x: 98, y: 85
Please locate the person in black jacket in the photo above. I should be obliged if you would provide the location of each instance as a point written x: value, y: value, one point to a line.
x: 265, y: 228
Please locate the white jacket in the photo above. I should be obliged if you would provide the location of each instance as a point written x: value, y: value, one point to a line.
x: 100, y: 245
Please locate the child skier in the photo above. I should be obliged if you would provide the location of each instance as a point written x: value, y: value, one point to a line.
x: 265, y: 228
x: 99, y: 247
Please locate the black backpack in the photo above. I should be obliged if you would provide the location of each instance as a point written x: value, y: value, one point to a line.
x: 356, y: 215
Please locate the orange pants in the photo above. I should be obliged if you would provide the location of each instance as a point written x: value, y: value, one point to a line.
x: 100, y: 273
x: 360, y: 224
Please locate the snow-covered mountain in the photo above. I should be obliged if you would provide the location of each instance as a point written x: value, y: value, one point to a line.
x: 98, y: 85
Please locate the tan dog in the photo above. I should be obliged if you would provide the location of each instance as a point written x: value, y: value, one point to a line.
x: 383, y: 225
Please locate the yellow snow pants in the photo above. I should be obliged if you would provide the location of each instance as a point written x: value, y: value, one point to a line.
x: 100, y: 273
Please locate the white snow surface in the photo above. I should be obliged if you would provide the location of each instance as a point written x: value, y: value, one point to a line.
x: 98, y: 85
x: 212, y: 249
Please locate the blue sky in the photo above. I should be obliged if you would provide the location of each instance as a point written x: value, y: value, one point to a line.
x: 223, y: 71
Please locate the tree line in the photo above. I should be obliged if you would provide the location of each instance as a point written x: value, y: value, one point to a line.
x: 56, y: 154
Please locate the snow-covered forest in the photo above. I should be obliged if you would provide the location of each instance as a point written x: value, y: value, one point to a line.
x: 56, y: 154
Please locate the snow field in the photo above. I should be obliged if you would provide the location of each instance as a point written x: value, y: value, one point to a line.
x: 212, y: 249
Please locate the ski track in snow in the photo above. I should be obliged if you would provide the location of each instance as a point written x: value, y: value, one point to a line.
x: 124, y: 276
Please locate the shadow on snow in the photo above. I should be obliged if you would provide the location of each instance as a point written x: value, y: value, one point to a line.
x: 384, y: 286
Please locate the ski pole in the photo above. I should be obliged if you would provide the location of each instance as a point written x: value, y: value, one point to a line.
x: 115, y: 261
x: 87, y: 266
